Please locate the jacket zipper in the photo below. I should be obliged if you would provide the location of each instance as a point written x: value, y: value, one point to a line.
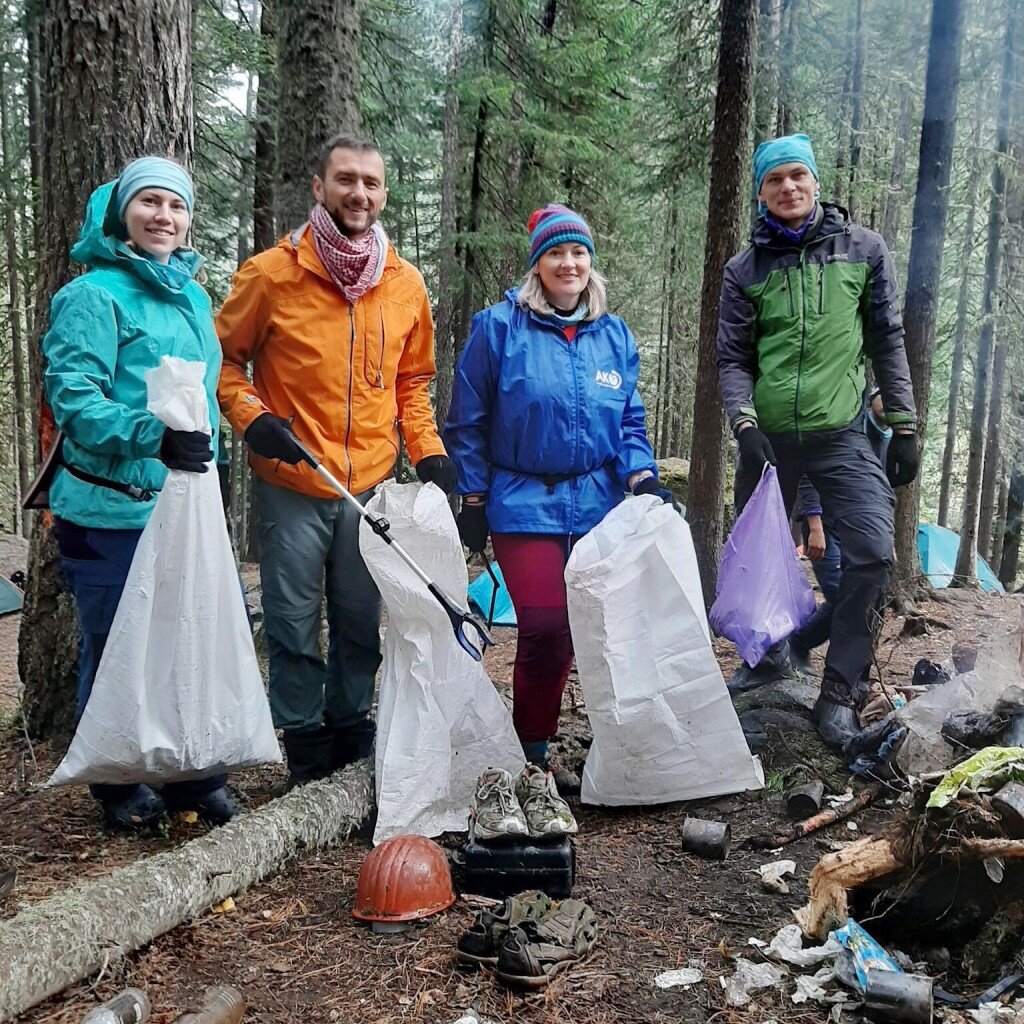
x: 789, y: 292
x: 348, y: 411
x: 574, y: 482
x: 803, y: 339
x: 380, y: 361
x: 821, y: 288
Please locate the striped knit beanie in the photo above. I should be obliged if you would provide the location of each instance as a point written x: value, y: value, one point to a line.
x: 556, y: 225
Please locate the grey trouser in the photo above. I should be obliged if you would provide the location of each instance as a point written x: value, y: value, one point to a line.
x: 309, y: 546
x: 858, y: 506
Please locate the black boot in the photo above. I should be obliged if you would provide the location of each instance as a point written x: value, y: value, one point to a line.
x: 129, y: 808
x: 352, y: 743
x: 835, y: 711
x: 309, y: 755
x: 214, y: 807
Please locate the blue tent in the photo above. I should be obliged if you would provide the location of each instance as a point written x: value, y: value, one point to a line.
x: 482, y: 589
x: 938, y: 547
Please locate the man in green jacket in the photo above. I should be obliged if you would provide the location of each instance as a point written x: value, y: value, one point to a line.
x: 801, y: 309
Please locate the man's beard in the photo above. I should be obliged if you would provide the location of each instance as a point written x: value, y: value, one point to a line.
x: 371, y: 219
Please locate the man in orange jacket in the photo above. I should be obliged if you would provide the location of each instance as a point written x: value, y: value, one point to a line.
x: 338, y: 330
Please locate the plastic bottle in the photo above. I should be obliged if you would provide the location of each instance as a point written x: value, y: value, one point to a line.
x: 130, y: 1007
x: 221, y: 1005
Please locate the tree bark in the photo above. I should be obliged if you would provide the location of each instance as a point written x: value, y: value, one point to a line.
x: 938, y: 132
x: 993, y: 455
x: 965, y: 571
x: 264, y: 231
x: 116, y: 83
x: 894, y: 197
x: 999, y: 530
x: 726, y: 206
x: 790, y: 23
x: 318, y: 72
x: 447, y: 278
x: 956, y: 374
x: 766, y: 83
x: 54, y: 944
x: 857, y: 105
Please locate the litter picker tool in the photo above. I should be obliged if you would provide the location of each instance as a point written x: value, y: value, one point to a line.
x: 462, y: 620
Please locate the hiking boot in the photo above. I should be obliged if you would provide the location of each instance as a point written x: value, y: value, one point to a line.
x: 479, y: 944
x: 352, y: 743
x: 129, y: 808
x: 567, y: 782
x: 496, y: 812
x: 835, y: 711
x: 309, y: 755
x: 547, y: 814
x: 535, y: 951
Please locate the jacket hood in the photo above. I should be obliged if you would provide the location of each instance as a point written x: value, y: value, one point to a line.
x: 100, y: 242
x: 834, y: 219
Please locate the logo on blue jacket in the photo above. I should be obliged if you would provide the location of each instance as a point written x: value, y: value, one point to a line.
x: 608, y: 379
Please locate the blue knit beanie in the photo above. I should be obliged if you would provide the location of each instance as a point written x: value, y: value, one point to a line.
x: 153, y: 172
x: 790, y: 149
x: 556, y: 225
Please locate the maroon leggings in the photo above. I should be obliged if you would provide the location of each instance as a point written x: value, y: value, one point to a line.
x: 534, y: 566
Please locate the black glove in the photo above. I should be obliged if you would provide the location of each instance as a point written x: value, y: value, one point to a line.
x: 902, y: 459
x: 271, y: 437
x: 186, y: 449
x: 437, y: 469
x: 473, y: 529
x: 652, y: 485
x: 755, y: 450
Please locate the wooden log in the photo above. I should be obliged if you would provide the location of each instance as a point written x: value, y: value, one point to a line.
x: 54, y: 944
x: 860, y: 862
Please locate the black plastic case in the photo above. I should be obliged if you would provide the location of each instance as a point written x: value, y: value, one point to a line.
x: 505, y: 867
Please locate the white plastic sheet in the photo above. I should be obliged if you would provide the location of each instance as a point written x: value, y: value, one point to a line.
x: 440, y: 721
x: 178, y: 693
x: 664, y: 726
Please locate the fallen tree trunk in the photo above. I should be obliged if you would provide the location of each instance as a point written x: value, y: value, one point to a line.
x: 54, y: 944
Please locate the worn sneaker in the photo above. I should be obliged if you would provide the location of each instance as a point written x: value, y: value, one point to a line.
x: 496, y: 812
x: 531, y: 954
x: 547, y: 814
x: 479, y: 944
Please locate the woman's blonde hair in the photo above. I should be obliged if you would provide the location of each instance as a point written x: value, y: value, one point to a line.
x: 595, y: 295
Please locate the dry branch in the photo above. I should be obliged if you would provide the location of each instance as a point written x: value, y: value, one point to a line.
x: 54, y: 944
x: 819, y: 821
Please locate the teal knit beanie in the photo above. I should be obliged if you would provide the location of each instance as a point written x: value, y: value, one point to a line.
x: 154, y: 172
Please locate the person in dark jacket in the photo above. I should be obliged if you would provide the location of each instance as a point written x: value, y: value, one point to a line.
x: 137, y: 302
x: 801, y: 309
x: 547, y: 430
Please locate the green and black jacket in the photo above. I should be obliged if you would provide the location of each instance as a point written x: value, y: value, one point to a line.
x: 796, y: 321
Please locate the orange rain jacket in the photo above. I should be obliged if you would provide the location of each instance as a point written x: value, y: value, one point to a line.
x: 349, y: 373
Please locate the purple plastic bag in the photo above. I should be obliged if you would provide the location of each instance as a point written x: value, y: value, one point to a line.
x: 762, y: 593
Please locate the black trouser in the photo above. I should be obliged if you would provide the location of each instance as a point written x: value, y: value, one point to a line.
x: 858, y: 504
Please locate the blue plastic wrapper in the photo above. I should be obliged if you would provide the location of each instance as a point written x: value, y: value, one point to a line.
x: 762, y: 594
x: 867, y: 954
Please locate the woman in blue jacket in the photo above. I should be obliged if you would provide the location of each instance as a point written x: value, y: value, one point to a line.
x: 137, y: 301
x: 547, y: 430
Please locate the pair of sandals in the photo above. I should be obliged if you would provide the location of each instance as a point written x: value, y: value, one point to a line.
x: 527, y: 940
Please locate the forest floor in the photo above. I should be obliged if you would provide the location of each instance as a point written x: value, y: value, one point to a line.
x: 292, y: 947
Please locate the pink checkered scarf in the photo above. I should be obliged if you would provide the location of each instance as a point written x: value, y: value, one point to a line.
x: 351, y: 262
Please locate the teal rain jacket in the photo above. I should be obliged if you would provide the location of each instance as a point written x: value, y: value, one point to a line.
x: 107, y: 328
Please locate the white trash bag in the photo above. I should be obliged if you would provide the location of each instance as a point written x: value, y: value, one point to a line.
x: 664, y: 726
x: 440, y: 721
x: 178, y: 693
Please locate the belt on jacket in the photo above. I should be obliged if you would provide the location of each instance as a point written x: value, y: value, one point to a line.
x: 552, y: 480
x: 140, y: 494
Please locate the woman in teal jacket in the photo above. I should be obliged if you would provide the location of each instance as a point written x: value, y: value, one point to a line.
x: 137, y: 301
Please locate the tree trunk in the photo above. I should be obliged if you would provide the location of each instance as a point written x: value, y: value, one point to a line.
x: 938, y: 131
x: 894, y: 197
x: 726, y: 206
x: 54, y: 944
x: 116, y: 83
x: 1009, y: 563
x: 960, y: 331
x: 264, y: 232
x: 318, y: 72
x: 990, y: 473
x: 447, y: 277
x: 785, y: 119
x: 766, y: 84
x: 33, y: 16
x: 966, y: 560
x: 857, y: 105
x: 999, y: 530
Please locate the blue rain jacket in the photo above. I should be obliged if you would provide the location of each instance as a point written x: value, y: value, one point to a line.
x: 527, y: 403
x: 107, y: 328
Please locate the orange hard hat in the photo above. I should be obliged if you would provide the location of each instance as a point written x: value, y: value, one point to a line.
x: 405, y: 878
